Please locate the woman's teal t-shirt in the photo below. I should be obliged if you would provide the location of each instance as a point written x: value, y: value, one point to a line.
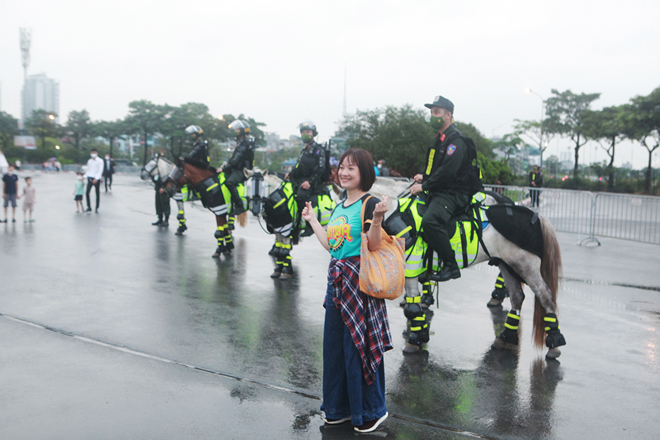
x: 345, y: 227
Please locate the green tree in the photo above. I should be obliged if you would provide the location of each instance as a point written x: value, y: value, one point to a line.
x: 144, y: 118
x: 535, y: 131
x: 565, y: 112
x: 110, y: 130
x: 8, y: 129
x: 78, y: 126
x: 508, y: 145
x: 42, y: 124
x: 607, y: 124
x: 400, y: 135
x: 644, y: 124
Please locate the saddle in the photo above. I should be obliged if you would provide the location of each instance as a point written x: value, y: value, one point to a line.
x: 465, y: 230
x: 281, y: 209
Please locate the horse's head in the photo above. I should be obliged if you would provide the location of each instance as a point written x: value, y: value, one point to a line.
x: 176, y: 176
x: 149, y: 170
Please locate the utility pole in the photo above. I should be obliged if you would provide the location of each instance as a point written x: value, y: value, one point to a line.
x: 25, y: 49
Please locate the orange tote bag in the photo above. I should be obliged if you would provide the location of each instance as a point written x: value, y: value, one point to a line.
x: 382, y: 272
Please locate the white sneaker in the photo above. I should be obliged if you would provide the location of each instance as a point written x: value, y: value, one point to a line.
x: 371, y: 425
x: 337, y: 422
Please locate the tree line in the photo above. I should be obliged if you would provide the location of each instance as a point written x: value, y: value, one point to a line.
x: 144, y: 119
x: 401, y: 135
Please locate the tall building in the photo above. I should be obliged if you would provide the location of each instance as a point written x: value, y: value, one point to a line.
x: 40, y: 92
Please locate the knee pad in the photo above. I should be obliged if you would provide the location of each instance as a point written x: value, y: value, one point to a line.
x: 218, y: 233
x: 413, y: 308
x: 510, y: 333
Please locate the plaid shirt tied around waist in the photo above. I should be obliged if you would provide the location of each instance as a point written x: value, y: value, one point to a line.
x: 364, y: 315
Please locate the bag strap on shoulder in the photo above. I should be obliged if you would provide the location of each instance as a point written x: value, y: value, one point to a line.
x: 364, y: 205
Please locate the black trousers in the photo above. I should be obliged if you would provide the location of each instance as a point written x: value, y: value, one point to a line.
x: 162, y: 205
x: 534, y: 194
x: 108, y: 182
x: 97, y: 185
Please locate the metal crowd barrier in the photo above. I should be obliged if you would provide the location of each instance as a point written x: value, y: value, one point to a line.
x: 622, y: 216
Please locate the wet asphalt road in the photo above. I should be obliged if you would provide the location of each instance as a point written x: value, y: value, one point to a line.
x: 113, y: 328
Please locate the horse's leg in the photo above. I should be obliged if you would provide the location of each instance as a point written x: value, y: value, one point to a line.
x: 414, y: 311
x: 285, y: 258
x: 499, y: 292
x: 230, y: 222
x: 221, y: 223
x: 226, y: 233
x: 508, y: 339
x: 180, y: 216
x: 181, y: 196
x: 546, y: 305
x: 276, y: 251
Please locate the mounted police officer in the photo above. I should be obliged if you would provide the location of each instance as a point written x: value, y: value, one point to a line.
x: 199, y: 156
x: 448, y: 180
x: 310, y: 172
x: 243, y: 157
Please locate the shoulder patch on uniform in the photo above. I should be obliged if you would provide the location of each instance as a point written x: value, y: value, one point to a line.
x: 451, y: 149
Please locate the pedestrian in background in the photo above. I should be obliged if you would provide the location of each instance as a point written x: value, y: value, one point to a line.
x: 29, y: 199
x: 10, y: 192
x: 108, y: 171
x: 94, y: 174
x: 383, y: 171
x: 78, y: 192
x: 356, y: 332
x: 535, y: 181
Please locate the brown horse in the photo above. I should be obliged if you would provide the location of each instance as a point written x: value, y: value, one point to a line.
x: 212, y: 197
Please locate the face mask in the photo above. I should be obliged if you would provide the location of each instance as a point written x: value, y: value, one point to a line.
x: 306, y: 138
x: 94, y: 155
x: 380, y: 165
x: 80, y: 177
x: 436, y: 123
x: 107, y: 157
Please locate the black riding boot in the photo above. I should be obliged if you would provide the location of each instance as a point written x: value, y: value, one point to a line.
x: 236, y: 202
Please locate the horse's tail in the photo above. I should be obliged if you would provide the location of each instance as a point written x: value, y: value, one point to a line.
x: 550, y: 272
x: 242, y: 219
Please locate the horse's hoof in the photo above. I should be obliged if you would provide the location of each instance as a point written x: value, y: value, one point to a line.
x: 411, y: 349
x: 501, y: 345
x: 216, y: 255
x: 494, y: 302
x: 285, y: 276
x: 553, y: 353
x: 226, y: 253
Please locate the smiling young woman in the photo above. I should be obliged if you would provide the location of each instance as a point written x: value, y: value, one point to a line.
x: 356, y: 333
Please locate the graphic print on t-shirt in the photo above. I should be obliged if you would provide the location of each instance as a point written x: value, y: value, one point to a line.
x: 339, y: 232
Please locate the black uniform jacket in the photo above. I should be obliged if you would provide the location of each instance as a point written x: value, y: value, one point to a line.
x: 243, y: 156
x: 199, y: 156
x: 446, y: 167
x: 310, y: 166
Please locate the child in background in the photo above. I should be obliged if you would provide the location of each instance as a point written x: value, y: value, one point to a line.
x: 29, y: 199
x: 78, y: 191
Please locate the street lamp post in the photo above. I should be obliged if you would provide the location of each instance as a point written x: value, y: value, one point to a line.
x: 541, y: 149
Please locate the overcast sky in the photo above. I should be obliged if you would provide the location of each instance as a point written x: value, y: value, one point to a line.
x: 282, y: 62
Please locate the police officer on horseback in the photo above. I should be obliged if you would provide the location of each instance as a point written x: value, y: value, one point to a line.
x: 243, y: 157
x: 448, y: 179
x: 199, y: 156
x: 310, y: 172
